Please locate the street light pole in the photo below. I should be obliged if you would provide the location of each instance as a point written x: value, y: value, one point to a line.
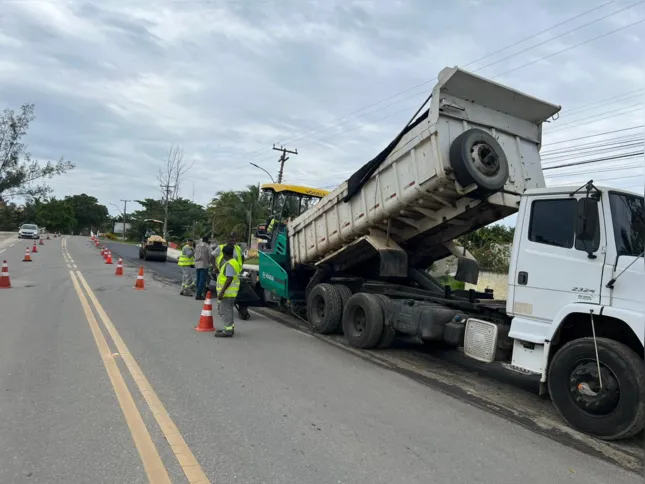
x: 258, y: 166
x: 125, y: 214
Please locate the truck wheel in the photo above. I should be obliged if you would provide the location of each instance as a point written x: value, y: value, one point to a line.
x: 388, y: 335
x: 363, y: 320
x: 476, y: 157
x: 324, y: 308
x: 617, y: 411
x: 345, y: 293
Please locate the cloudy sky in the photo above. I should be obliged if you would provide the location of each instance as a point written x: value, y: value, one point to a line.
x: 115, y: 82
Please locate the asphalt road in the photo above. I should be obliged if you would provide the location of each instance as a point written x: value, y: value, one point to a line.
x: 130, y: 253
x: 89, y: 366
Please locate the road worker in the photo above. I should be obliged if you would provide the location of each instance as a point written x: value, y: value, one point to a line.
x: 187, y: 263
x: 228, y: 285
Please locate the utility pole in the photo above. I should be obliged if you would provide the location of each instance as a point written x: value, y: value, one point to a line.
x: 166, y: 190
x: 283, y: 158
x: 125, y: 214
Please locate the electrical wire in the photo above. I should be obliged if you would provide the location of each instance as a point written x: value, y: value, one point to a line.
x: 304, y: 135
x: 595, y: 135
x: 571, y: 47
x: 561, y: 35
x: 596, y: 160
x: 611, y: 100
x: 618, y: 140
x: 598, y: 116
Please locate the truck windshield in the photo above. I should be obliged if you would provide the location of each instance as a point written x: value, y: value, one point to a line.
x: 628, y: 215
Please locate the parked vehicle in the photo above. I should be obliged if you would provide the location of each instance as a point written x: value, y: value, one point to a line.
x: 357, y: 261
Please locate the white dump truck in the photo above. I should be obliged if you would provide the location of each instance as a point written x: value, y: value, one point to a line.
x: 358, y: 260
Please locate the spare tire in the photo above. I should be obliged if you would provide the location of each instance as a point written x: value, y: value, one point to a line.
x: 477, y: 158
x: 363, y: 320
x: 324, y: 308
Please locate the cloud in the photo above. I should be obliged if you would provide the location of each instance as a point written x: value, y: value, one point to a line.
x: 115, y: 82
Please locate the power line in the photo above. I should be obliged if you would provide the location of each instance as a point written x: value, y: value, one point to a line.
x: 632, y: 166
x: 596, y: 160
x: 594, y: 151
x: 569, y: 48
x: 561, y: 35
x: 302, y: 135
x: 600, y: 144
x: 609, y: 100
x: 595, y: 135
x: 601, y: 116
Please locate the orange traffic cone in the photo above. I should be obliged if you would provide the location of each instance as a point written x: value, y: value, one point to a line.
x: 103, y: 252
x: 140, y: 284
x: 119, y: 267
x: 27, y: 255
x: 41, y: 242
x: 108, y: 258
x: 96, y: 243
x: 5, y: 282
x: 206, y: 319
x: 34, y: 249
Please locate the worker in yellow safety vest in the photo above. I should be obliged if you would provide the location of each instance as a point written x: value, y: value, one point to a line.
x: 218, y: 255
x: 228, y: 285
x: 187, y: 263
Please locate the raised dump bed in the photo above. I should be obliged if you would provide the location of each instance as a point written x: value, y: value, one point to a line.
x: 459, y: 166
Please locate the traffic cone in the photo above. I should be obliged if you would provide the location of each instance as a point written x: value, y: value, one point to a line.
x: 206, y: 319
x: 108, y: 259
x: 96, y: 243
x: 27, y: 255
x: 5, y: 282
x: 103, y: 252
x: 41, y: 242
x: 140, y: 284
x: 119, y: 268
x: 34, y: 249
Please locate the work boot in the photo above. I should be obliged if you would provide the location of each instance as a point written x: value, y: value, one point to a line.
x: 227, y: 332
x: 200, y: 298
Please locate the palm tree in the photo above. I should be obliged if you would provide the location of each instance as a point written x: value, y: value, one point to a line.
x: 237, y: 211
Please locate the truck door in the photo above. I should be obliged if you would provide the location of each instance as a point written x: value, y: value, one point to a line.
x: 553, y: 268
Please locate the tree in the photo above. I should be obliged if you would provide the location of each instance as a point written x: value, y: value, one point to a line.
x: 170, y: 178
x: 184, y: 217
x: 87, y: 211
x: 238, y: 212
x: 17, y: 169
x: 56, y: 215
x: 491, y: 247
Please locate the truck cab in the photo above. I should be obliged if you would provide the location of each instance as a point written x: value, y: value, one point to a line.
x: 576, y: 305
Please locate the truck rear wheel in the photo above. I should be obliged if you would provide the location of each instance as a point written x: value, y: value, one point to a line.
x: 476, y: 157
x: 615, y: 411
x: 324, y: 308
x: 363, y: 320
x: 345, y: 293
x: 388, y: 335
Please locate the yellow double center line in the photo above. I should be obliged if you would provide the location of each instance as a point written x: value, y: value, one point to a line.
x: 152, y: 463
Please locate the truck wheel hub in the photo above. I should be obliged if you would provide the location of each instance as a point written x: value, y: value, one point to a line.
x: 586, y: 392
x: 485, y: 159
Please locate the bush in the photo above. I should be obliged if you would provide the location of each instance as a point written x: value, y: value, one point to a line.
x: 111, y: 236
x: 452, y: 282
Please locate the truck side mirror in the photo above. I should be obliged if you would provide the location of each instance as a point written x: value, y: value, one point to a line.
x: 588, y: 224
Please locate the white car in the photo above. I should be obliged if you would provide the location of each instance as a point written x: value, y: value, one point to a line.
x: 28, y: 231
